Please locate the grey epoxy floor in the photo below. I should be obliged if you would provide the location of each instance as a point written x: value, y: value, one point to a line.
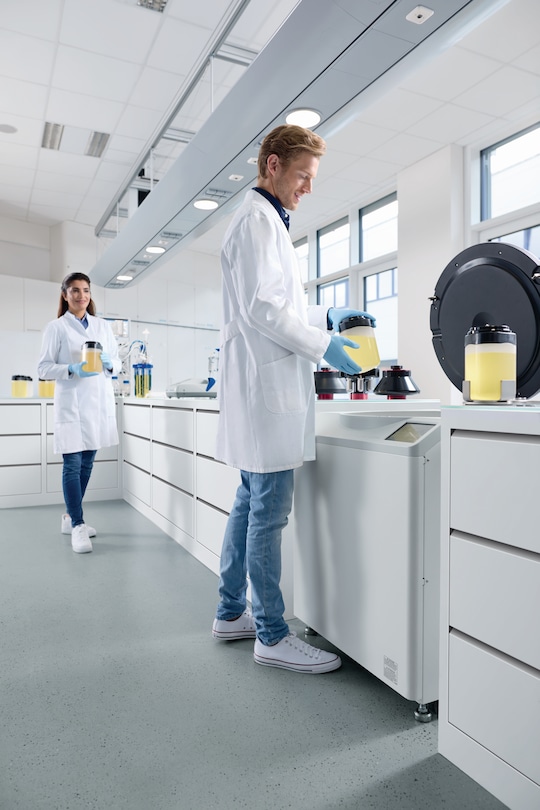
x: 114, y: 696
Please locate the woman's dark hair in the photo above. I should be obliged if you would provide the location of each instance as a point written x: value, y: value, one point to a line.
x: 67, y: 282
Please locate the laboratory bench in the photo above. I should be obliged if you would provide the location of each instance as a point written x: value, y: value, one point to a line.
x: 489, y: 703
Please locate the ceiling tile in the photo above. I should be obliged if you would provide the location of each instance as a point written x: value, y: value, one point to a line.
x: 501, y: 92
x: 122, y: 31
x: 450, y: 124
x: 61, y: 182
x: 178, y: 47
x: 63, y: 163
x: 399, y: 109
x: 33, y: 17
x: 529, y: 61
x: 406, y: 148
x: 507, y: 34
x: 450, y: 74
x: 94, y: 75
x: 29, y: 131
x: 87, y: 112
x: 16, y: 154
x: 206, y: 15
x: 27, y: 58
x: 136, y: 120
x: 22, y: 98
x: 156, y: 89
x: 11, y: 175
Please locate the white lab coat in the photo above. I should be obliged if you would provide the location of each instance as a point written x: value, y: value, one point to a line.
x: 269, y: 346
x: 84, y: 409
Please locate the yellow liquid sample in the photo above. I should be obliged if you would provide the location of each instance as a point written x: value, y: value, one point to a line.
x: 485, y: 372
x: 367, y: 354
x: 92, y: 359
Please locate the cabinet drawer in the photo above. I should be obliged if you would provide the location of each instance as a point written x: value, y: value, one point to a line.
x: 137, y: 420
x: 19, y: 419
x: 173, y: 426
x: 20, y: 480
x: 493, y: 488
x: 207, y: 425
x: 173, y: 466
x: 20, y: 450
x: 495, y: 596
x: 137, y: 482
x: 216, y: 483
x: 105, y: 454
x: 104, y: 476
x: 495, y: 701
x: 210, y: 527
x: 137, y: 451
x: 173, y: 504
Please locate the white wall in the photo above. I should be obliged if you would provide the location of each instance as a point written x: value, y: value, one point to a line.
x: 430, y: 234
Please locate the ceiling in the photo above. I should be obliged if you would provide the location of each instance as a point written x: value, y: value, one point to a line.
x: 114, y: 67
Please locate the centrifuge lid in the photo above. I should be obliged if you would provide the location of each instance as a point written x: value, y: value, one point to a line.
x: 490, y: 283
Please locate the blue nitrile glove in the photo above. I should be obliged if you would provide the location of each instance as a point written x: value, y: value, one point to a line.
x: 77, y: 368
x: 106, y: 360
x: 337, y: 314
x: 337, y: 357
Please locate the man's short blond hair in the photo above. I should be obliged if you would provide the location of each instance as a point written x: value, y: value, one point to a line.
x: 288, y: 141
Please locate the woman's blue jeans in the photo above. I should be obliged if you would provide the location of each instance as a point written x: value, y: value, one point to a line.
x: 76, y: 474
x: 252, y: 546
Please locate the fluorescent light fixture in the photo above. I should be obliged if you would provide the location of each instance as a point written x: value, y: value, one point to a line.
x: 96, y: 144
x: 124, y: 278
x: 303, y: 118
x: 52, y: 135
x: 205, y: 205
x: 155, y: 249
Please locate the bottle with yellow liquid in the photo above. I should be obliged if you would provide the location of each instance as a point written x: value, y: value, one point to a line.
x: 490, y: 360
x: 91, y: 355
x: 360, y: 329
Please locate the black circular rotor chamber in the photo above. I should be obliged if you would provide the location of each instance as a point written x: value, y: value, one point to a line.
x: 489, y: 283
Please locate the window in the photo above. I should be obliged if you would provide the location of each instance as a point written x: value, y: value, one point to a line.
x: 528, y: 238
x: 378, y: 228
x: 302, y: 254
x: 510, y: 176
x: 380, y: 300
x: 333, y: 243
x: 335, y: 294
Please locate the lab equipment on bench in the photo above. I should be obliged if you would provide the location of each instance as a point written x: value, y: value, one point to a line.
x: 366, y: 545
x: 191, y: 388
x: 485, y: 323
x: 142, y: 380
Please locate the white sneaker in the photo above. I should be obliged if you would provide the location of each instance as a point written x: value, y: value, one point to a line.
x: 242, y: 627
x: 66, y: 526
x: 291, y: 653
x: 80, y: 541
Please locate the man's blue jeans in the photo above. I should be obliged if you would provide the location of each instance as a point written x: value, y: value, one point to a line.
x: 76, y: 474
x: 252, y: 545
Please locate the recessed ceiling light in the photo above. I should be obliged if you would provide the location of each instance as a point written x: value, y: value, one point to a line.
x: 8, y: 129
x: 419, y: 15
x: 205, y: 205
x: 252, y: 160
x: 236, y: 177
x: 303, y: 118
x: 124, y: 278
x: 155, y: 249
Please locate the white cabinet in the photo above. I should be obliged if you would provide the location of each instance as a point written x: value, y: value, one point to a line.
x: 489, y: 708
x: 41, y: 300
x: 12, y: 303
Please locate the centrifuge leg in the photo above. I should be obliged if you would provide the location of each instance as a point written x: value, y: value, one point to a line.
x: 422, y: 714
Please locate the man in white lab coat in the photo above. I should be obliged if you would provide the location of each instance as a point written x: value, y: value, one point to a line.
x: 270, y: 343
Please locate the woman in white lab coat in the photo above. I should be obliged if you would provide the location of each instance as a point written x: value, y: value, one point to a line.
x: 84, y: 408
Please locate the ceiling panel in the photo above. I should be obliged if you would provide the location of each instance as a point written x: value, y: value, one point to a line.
x: 27, y: 58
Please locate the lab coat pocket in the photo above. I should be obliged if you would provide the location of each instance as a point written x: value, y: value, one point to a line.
x: 282, y: 385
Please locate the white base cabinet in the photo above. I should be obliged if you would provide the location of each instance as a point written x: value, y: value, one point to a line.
x: 489, y: 706
x: 30, y: 472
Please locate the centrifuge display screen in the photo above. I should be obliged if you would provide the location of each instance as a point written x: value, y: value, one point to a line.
x: 409, y: 433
